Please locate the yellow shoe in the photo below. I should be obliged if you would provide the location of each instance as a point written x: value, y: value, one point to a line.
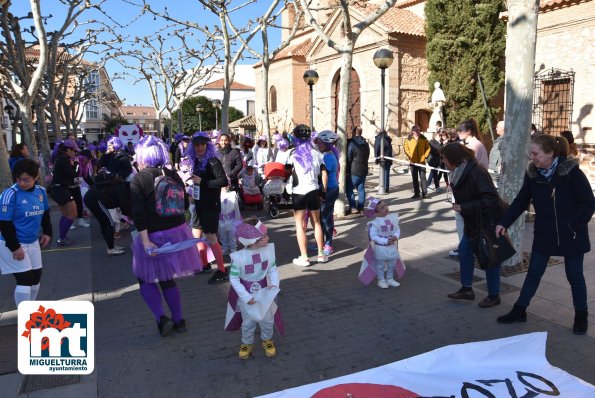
x: 269, y: 348
x: 245, y: 351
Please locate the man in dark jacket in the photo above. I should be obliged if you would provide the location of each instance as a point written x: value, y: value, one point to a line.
x: 358, y: 153
x: 388, y: 151
x: 231, y: 159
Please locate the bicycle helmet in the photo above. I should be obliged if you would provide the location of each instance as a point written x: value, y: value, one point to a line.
x: 328, y: 137
x: 302, y: 132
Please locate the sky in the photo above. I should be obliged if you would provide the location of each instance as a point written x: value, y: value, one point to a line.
x: 122, y: 12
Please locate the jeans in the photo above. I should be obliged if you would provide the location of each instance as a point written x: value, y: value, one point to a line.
x: 385, y: 176
x: 467, y: 263
x: 419, y: 176
x: 326, y: 214
x: 573, y: 265
x: 359, y: 183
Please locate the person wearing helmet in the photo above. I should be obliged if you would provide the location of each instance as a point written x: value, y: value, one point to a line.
x: 330, y: 154
x: 308, y: 166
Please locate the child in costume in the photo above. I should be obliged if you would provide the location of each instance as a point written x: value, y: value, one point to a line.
x: 228, y: 218
x: 252, y: 269
x: 382, y: 253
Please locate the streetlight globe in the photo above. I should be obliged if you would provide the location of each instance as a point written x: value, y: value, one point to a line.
x: 383, y: 58
x: 310, y: 77
x: 200, y: 108
x: 216, y: 103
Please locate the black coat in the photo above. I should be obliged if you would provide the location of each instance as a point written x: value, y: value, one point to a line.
x: 388, y: 148
x: 213, y: 178
x: 478, y: 197
x: 358, y: 153
x: 118, y: 163
x: 231, y: 158
x: 563, y: 208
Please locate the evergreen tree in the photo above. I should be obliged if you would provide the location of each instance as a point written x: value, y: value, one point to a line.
x: 190, y: 117
x: 464, y: 38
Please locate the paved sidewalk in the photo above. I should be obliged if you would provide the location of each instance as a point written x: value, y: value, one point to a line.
x: 334, y: 324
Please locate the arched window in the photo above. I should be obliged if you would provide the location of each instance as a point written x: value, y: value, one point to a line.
x: 273, y: 99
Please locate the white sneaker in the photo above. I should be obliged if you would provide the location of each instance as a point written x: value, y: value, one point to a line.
x: 302, y: 262
x: 115, y: 252
x: 454, y: 253
x: 118, y: 247
x: 83, y: 223
x: 382, y: 284
x: 72, y: 226
x: 392, y: 282
x: 321, y: 258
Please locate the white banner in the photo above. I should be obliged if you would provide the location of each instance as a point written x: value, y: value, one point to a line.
x: 513, y: 367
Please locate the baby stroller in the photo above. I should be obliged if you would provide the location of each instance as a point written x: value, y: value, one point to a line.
x: 274, y: 190
x: 248, y: 196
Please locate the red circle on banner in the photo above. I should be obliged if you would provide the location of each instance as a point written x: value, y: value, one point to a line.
x: 364, y: 390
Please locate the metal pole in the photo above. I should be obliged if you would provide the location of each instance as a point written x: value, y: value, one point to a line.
x: 382, y: 187
x: 180, y: 129
x: 216, y: 120
x: 311, y: 106
x: 200, y: 121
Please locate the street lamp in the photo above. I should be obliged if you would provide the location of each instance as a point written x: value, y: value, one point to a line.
x: 217, y: 105
x: 199, y: 109
x: 311, y: 77
x: 383, y: 59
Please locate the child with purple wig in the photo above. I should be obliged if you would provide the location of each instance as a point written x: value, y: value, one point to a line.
x: 159, y: 271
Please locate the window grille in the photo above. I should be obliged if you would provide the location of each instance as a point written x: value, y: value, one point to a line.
x: 553, y: 98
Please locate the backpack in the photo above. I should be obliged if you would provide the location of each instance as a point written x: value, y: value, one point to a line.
x: 169, y: 196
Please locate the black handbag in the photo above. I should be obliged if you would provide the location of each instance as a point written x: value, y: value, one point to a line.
x: 489, y: 249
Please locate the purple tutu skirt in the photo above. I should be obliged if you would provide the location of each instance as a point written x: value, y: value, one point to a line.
x: 167, y: 266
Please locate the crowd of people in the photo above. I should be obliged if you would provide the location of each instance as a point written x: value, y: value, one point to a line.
x: 184, y: 196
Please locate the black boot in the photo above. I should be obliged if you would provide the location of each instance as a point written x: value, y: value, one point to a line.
x: 580, y: 322
x: 165, y: 326
x: 517, y: 314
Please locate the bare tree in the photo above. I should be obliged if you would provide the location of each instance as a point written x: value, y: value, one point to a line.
x: 172, y: 68
x: 521, y: 38
x: 20, y: 83
x: 266, y: 57
x: 226, y: 33
x: 352, y: 33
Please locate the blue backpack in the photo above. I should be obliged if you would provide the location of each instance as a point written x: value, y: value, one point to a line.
x: 169, y: 196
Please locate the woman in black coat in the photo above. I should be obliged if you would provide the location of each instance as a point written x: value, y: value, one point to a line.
x: 564, y: 204
x: 477, y: 200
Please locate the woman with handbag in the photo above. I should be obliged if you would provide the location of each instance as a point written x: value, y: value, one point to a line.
x: 477, y: 200
x: 564, y: 204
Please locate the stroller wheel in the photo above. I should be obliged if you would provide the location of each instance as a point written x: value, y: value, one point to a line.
x: 273, y: 211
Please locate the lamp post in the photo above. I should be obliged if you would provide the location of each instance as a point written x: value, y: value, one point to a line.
x: 217, y: 105
x: 311, y: 77
x: 383, y: 59
x: 199, y: 109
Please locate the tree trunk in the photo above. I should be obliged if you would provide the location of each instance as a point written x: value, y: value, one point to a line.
x: 343, y: 107
x: 5, y: 175
x: 266, y: 126
x: 27, y: 130
x: 520, y: 61
x: 44, y: 142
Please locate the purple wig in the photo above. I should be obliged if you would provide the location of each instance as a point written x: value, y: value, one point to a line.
x: 200, y: 164
x: 303, y: 153
x: 184, y: 151
x: 151, y: 152
x: 102, y: 147
x: 115, y: 142
x: 282, y: 144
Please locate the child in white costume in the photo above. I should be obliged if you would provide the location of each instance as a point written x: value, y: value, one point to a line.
x: 384, y: 233
x: 250, y: 181
x: 252, y: 269
x: 228, y: 218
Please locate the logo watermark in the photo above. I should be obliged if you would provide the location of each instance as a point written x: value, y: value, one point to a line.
x: 56, y: 337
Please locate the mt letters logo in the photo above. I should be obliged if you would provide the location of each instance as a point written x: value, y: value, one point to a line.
x: 56, y: 337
